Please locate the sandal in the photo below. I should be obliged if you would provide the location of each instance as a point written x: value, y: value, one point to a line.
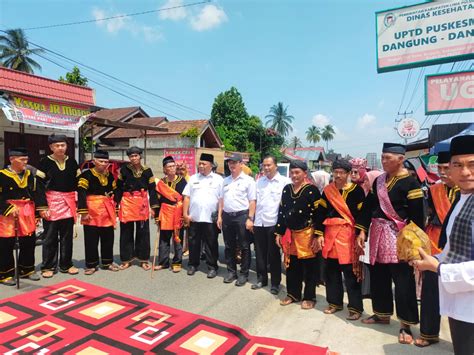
x: 113, y: 267
x: 353, y: 316
x: 405, y: 334
x: 286, y: 301
x: 159, y: 267
x: 307, y: 304
x: 145, y: 266
x: 331, y: 310
x: 124, y: 265
x: 90, y: 271
x: 375, y: 319
x: 47, y: 274
x: 423, y: 343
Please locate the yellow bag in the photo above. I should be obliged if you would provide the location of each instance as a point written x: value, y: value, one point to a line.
x: 409, y: 239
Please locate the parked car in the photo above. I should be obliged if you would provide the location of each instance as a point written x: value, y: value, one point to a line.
x: 114, y: 166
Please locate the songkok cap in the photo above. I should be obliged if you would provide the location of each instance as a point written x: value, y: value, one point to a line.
x: 167, y: 160
x: 101, y: 154
x: 57, y: 138
x: 444, y: 157
x: 207, y: 157
x: 342, y: 164
x: 17, y: 152
x: 134, y: 150
x: 394, y: 148
x: 461, y: 145
x: 235, y: 157
x: 298, y: 164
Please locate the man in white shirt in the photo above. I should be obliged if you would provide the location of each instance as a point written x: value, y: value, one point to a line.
x: 236, y: 216
x: 267, y: 252
x: 455, y: 265
x: 201, y: 200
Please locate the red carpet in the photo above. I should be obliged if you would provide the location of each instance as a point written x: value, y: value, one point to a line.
x: 74, y: 317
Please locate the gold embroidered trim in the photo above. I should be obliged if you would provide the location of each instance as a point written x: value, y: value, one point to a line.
x: 103, y: 178
x: 23, y: 182
x: 61, y: 166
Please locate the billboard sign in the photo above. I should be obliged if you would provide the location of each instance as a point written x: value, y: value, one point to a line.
x: 44, y: 113
x: 425, y: 34
x: 449, y: 93
x: 408, y: 128
x: 186, y: 155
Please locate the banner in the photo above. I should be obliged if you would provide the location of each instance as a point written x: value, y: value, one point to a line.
x: 425, y: 34
x: 449, y: 93
x: 183, y: 154
x: 44, y: 113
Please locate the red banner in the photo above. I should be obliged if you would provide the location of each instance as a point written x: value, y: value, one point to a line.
x: 188, y: 155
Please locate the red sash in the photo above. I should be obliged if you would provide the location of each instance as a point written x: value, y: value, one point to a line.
x: 440, y: 201
x: 170, y: 215
x: 101, y: 210
x: 61, y: 205
x: 134, y: 207
x: 26, y: 223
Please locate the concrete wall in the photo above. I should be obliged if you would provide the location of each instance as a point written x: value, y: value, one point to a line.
x: 164, y: 142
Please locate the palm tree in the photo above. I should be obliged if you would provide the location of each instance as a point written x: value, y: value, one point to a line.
x: 313, y: 134
x: 295, y: 142
x: 15, y: 52
x: 327, y: 134
x: 279, y: 120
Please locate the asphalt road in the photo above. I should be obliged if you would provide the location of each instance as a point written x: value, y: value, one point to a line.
x: 258, y: 312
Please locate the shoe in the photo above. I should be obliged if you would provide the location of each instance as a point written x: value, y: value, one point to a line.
x: 9, y: 281
x: 33, y: 277
x: 374, y: 319
x: 274, y: 290
x: 203, y: 256
x: 241, y: 280
x: 211, y: 274
x: 258, y: 285
x: 229, y: 278
x: 176, y: 268
x: 191, y: 271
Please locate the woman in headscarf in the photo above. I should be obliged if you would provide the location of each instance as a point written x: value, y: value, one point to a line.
x: 359, y: 173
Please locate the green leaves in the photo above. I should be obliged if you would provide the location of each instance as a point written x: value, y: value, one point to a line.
x: 15, y: 52
x: 74, y: 77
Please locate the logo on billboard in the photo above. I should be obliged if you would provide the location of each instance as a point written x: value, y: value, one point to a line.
x: 408, y: 128
x: 389, y: 19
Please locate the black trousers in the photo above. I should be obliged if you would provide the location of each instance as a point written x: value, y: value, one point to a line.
x: 205, y: 234
x: 429, y: 312
x: 267, y: 253
x: 299, y: 271
x: 58, y: 234
x: 381, y: 277
x: 26, y: 257
x: 235, y: 234
x: 462, y: 335
x: 165, y: 248
x: 335, y: 290
x: 135, y: 243
x: 92, y: 236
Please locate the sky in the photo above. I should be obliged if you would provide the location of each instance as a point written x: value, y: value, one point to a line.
x: 316, y: 56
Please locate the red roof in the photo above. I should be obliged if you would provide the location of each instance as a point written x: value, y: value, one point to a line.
x: 38, y: 86
x: 135, y: 133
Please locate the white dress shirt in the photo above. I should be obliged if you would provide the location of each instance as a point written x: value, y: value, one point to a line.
x: 204, y: 193
x: 268, y: 199
x: 237, y: 193
x: 456, y: 282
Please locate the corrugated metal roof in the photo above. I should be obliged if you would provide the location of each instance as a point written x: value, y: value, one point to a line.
x: 33, y: 85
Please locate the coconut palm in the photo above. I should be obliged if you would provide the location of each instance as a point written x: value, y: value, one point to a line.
x: 15, y: 51
x: 327, y: 134
x: 279, y: 119
x: 313, y: 134
x: 295, y: 142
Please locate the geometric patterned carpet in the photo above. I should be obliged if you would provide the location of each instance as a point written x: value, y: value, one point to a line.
x: 75, y: 317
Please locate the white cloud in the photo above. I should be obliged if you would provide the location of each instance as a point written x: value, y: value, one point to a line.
x: 112, y: 25
x: 175, y: 14
x: 151, y: 34
x: 381, y: 103
x: 320, y: 120
x: 209, y: 17
x: 366, y: 120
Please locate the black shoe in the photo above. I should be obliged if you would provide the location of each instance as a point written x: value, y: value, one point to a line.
x: 274, y: 290
x: 258, y: 285
x: 9, y: 281
x: 191, y: 271
x: 33, y: 277
x: 242, y: 280
x: 229, y: 278
x: 203, y: 256
x: 211, y: 274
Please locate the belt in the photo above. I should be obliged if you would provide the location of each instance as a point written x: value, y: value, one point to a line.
x: 236, y: 214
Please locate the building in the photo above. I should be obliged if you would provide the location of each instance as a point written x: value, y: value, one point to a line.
x: 315, y: 157
x: 372, y: 161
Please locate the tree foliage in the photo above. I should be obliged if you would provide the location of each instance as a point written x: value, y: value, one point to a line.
x: 74, y: 77
x: 294, y: 142
x: 327, y: 134
x: 313, y: 134
x: 279, y: 119
x: 15, y: 52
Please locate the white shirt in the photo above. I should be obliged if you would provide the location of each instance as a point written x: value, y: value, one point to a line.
x: 237, y: 193
x: 268, y: 199
x: 204, y: 193
x: 456, y: 283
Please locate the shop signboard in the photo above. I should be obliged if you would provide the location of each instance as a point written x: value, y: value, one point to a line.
x: 408, y: 128
x: 449, y: 93
x: 187, y: 155
x: 425, y: 34
x: 44, y: 112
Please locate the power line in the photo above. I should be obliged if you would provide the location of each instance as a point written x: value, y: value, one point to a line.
x: 405, y: 89
x: 116, y: 16
x: 415, y: 89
